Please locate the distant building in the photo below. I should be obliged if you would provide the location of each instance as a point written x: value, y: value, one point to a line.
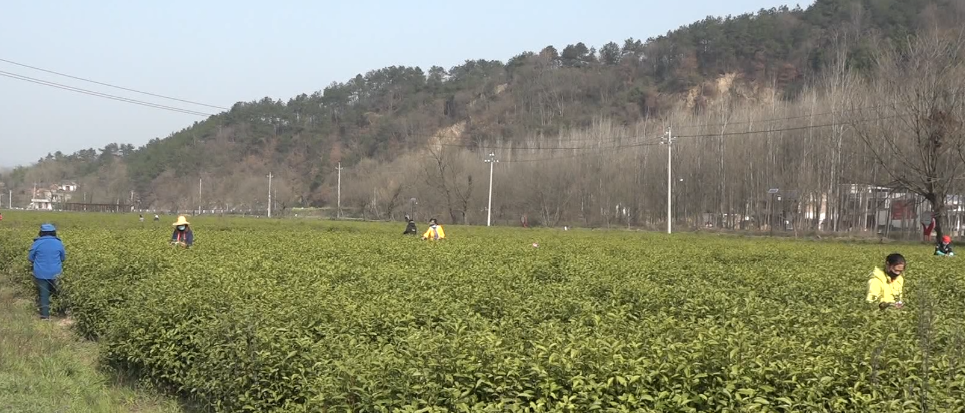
x: 41, y: 193
x: 40, y: 204
x: 47, y: 197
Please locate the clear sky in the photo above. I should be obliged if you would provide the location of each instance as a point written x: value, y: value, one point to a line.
x: 219, y: 52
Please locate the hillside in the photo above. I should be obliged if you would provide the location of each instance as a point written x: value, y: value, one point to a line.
x: 379, y: 125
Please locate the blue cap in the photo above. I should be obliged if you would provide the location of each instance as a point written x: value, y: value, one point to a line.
x: 47, y: 228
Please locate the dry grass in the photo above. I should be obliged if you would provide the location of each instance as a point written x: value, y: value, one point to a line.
x: 45, y: 368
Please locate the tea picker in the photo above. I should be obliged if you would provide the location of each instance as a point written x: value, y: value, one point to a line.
x: 944, y: 247
x: 182, y: 236
x: 435, y: 231
x: 47, y: 257
x: 885, y: 287
x: 410, y: 228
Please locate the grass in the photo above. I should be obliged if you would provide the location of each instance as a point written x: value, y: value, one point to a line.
x: 45, y: 368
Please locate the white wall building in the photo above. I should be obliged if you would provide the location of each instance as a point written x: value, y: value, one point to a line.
x: 40, y: 204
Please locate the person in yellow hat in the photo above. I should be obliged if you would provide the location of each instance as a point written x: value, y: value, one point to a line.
x: 183, y: 236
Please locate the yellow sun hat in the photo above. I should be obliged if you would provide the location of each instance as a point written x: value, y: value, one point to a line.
x: 181, y: 221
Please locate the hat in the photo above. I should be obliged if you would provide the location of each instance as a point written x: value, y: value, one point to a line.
x: 48, y: 228
x: 181, y: 221
x: 946, y: 239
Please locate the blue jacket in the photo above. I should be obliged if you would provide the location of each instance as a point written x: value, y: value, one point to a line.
x: 187, y: 238
x: 47, y: 255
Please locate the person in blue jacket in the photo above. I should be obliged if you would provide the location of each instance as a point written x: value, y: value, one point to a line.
x: 47, y: 255
x: 182, y: 236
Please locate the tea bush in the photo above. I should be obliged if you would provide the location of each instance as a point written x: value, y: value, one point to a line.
x: 298, y: 316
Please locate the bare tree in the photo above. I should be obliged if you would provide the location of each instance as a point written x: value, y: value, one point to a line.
x: 917, y: 137
x: 447, y: 172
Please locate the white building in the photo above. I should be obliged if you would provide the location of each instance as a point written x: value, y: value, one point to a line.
x: 40, y: 204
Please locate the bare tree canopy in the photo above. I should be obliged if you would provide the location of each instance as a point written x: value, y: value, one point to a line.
x: 918, y: 97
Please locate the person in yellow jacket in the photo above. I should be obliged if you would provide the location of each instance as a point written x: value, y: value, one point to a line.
x: 435, y: 231
x: 886, y: 285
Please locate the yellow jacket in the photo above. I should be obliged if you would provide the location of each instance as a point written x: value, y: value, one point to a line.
x: 435, y: 233
x: 882, y: 289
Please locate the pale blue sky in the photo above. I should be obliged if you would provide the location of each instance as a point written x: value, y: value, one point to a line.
x: 221, y: 52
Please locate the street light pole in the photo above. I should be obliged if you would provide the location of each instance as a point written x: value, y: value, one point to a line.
x: 489, y: 211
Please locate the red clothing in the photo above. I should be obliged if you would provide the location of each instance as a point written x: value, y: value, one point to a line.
x: 927, y: 230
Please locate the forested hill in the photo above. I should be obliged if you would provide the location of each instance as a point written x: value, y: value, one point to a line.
x: 378, y: 116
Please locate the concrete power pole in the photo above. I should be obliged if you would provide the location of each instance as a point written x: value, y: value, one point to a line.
x: 489, y: 211
x: 668, y: 140
x: 338, y: 199
x: 269, y: 194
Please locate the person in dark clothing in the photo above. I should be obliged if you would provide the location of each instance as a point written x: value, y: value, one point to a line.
x: 182, y: 236
x: 47, y: 255
x: 944, y: 247
x: 410, y: 228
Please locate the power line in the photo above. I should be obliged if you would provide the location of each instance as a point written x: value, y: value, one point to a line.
x: 658, y: 141
x: 605, y: 151
x: 754, y: 132
x: 589, y: 141
x: 550, y: 148
x: 110, y: 85
x: 768, y: 120
x: 652, y: 141
x: 619, y: 139
x: 25, y: 78
x: 602, y: 151
x: 103, y: 95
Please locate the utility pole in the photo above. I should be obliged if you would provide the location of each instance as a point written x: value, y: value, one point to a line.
x: 668, y: 140
x: 338, y: 191
x: 269, y: 194
x: 489, y: 211
x: 199, y: 196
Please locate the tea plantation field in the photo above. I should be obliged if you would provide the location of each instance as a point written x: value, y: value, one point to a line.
x: 306, y: 316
